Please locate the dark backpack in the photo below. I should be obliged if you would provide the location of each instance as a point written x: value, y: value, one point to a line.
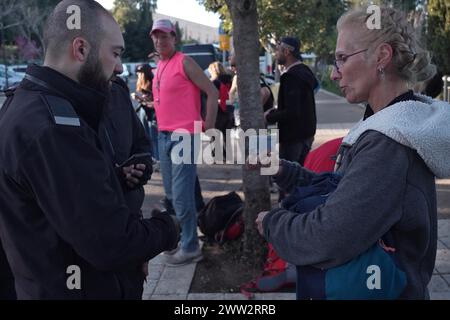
x: 221, y: 218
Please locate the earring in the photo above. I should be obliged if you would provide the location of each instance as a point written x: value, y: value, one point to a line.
x: 381, y: 72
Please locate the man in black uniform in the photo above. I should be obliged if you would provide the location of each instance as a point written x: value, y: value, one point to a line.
x: 64, y: 223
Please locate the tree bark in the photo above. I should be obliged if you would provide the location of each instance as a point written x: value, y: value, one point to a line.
x: 256, y: 187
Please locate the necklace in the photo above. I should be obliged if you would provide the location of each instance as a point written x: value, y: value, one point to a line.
x: 159, y: 76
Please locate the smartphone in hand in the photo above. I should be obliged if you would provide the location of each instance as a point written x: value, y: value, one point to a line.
x: 145, y: 157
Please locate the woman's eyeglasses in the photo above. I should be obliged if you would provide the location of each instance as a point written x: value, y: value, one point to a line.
x: 339, y: 62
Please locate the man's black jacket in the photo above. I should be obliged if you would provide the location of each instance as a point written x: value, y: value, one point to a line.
x: 122, y: 134
x: 61, y: 203
x: 296, y: 113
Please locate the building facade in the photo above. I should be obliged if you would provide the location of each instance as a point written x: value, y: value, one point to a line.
x: 192, y: 31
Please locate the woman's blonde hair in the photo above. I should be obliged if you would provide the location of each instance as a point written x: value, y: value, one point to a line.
x: 412, y: 63
x: 216, y: 69
x: 144, y: 83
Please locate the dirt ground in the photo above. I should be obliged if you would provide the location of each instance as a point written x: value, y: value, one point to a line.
x: 219, y: 272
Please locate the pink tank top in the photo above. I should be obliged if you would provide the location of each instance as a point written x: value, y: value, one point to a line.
x: 177, y: 99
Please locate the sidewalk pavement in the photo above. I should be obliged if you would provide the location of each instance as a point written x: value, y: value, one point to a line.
x: 173, y: 283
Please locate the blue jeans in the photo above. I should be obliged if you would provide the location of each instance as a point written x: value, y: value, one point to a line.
x: 179, y: 186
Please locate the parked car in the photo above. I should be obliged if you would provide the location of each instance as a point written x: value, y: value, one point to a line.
x: 125, y: 74
x: 8, y: 79
x: 18, y: 69
x: 203, y: 54
x: 131, y: 66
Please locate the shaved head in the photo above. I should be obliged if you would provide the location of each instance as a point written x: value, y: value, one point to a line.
x: 57, y: 33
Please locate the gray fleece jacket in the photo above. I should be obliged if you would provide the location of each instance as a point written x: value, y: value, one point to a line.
x: 389, y: 163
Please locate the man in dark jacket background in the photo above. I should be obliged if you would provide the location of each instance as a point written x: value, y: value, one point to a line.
x: 296, y: 112
x: 64, y: 222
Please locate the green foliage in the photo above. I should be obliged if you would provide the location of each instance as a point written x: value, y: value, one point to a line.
x: 312, y: 21
x: 330, y: 85
x: 135, y: 20
x: 405, y: 5
x: 438, y: 33
x: 24, y: 20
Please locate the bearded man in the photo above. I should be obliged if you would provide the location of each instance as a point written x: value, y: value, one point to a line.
x: 65, y: 226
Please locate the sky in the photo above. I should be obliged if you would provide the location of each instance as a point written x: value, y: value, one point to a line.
x: 184, y: 9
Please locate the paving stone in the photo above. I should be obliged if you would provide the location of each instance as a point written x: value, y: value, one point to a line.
x: 441, y: 245
x: 173, y: 287
x: 443, y: 228
x: 168, y: 297
x: 234, y: 296
x: 155, y: 271
x: 146, y: 296
x: 443, y: 261
x: 179, y: 272
x: 440, y: 295
x: 159, y: 259
x: 149, y: 286
x: 446, y: 278
x: 438, y: 284
x: 445, y: 241
x: 205, y: 296
x: 275, y: 296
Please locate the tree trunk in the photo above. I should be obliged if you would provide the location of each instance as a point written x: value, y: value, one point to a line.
x: 256, y: 187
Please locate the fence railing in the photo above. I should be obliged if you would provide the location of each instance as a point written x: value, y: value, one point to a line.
x: 446, y: 89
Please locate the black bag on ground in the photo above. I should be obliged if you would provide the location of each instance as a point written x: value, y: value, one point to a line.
x: 218, y: 214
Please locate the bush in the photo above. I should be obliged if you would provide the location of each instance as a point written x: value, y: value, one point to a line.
x: 329, y: 85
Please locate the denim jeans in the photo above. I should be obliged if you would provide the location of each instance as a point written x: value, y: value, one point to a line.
x: 179, y: 186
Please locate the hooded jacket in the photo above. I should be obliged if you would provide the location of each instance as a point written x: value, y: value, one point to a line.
x: 296, y: 112
x: 389, y: 163
x: 61, y: 204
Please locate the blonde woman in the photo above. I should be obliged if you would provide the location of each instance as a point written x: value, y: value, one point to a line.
x: 144, y: 96
x: 388, y: 161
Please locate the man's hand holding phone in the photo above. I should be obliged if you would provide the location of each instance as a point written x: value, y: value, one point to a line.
x: 133, y: 173
x: 137, y: 170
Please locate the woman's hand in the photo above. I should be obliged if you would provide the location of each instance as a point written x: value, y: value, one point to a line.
x: 259, y: 222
